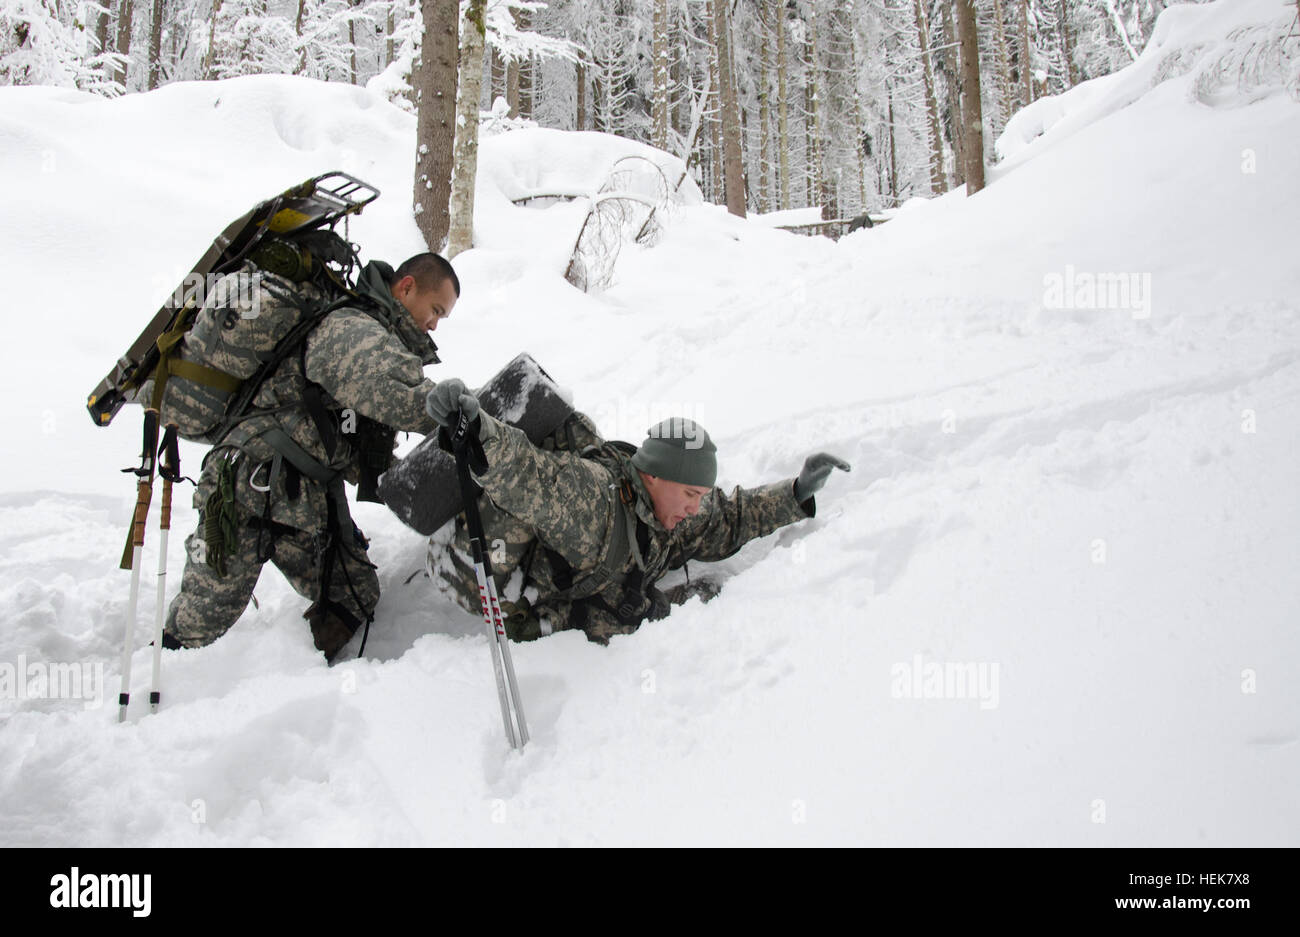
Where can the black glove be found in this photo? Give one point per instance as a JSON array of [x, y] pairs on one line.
[[447, 399], [816, 469]]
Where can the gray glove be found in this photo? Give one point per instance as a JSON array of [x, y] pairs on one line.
[[816, 469], [447, 398]]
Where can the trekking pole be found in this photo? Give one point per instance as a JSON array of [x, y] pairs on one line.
[[498, 643], [131, 558], [169, 469]]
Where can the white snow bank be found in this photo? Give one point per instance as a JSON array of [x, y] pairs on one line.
[[1228, 54], [788, 217], [539, 161]]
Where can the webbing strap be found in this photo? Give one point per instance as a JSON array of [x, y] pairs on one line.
[[298, 457], [202, 374]]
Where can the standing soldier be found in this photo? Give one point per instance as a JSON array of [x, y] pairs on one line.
[[610, 523], [272, 488]]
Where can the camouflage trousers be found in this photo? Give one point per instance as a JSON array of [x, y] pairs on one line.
[[526, 619], [209, 604]]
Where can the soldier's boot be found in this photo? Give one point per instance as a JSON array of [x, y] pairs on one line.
[[332, 627]]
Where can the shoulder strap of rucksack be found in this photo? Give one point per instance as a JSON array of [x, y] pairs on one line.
[[630, 536], [242, 401]]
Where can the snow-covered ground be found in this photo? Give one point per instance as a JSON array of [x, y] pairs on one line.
[[1088, 506]]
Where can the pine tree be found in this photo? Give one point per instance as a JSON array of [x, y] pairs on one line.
[[125, 12], [660, 100], [155, 44], [733, 158], [435, 87], [971, 105], [473, 38], [783, 109], [931, 99]]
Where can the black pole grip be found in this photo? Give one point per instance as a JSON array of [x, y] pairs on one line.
[[460, 446], [169, 454], [150, 446]]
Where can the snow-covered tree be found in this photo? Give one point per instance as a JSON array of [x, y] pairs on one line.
[[39, 45]]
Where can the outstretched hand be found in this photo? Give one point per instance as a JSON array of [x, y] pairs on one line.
[[816, 469], [448, 398]]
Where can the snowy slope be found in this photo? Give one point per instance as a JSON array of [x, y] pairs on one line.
[[1092, 509]]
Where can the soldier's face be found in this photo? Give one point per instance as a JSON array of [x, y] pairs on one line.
[[673, 501], [427, 307]]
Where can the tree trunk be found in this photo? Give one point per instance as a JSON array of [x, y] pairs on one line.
[[301, 67], [101, 30], [816, 184], [659, 103], [209, 60], [461, 234], [352, 47], [679, 116], [860, 126], [512, 76], [1026, 63], [582, 95], [971, 108], [527, 71], [599, 100], [952, 76], [1005, 91], [809, 134], [435, 88], [783, 116], [1067, 43], [715, 119], [764, 113], [155, 45], [125, 12], [931, 100], [497, 80], [390, 51], [733, 169], [893, 146]]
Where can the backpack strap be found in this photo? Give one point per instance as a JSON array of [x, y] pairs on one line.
[[170, 363], [630, 537]]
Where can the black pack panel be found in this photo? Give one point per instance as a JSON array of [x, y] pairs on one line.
[[422, 490]]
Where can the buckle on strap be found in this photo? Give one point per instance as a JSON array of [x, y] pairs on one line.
[[272, 466]]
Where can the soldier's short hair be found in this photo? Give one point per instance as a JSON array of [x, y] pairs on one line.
[[429, 270]]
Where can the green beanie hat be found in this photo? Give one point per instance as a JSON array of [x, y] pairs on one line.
[[679, 450]]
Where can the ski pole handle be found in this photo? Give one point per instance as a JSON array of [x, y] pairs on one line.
[[150, 443], [145, 473]]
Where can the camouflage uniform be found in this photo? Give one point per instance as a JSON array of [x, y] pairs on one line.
[[553, 514], [367, 363]]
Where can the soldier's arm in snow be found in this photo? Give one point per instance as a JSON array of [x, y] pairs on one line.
[[727, 522], [566, 498], [362, 366]]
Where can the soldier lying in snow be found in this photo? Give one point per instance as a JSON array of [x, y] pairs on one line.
[[592, 533]]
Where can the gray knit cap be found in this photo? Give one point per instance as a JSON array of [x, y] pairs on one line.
[[679, 450]]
